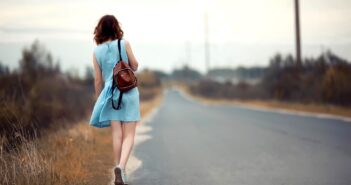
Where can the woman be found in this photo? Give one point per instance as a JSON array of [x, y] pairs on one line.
[[122, 121]]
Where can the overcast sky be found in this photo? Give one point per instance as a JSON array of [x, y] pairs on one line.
[[239, 29]]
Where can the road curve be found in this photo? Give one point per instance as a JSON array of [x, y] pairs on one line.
[[196, 144]]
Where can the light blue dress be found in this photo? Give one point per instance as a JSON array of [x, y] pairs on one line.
[[107, 56]]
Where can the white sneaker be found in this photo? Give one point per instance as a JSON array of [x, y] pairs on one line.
[[124, 176]]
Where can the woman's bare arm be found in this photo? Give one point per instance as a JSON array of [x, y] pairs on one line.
[[98, 77], [132, 60]]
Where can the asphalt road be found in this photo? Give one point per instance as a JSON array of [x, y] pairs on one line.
[[200, 144]]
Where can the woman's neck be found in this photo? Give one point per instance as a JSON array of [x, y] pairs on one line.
[[109, 40]]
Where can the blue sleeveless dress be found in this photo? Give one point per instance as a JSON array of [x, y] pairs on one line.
[[107, 56]]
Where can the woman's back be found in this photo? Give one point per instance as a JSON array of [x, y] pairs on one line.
[[107, 56]]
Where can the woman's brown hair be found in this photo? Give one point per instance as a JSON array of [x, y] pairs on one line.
[[107, 28]]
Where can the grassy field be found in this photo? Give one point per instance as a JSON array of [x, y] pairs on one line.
[[77, 154], [310, 108]]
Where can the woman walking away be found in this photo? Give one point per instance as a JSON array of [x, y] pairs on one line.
[[108, 36]]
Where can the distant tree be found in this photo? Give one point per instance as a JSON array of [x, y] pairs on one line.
[[37, 61], [57, 67], [89, 75], [281, 77], [72, 73], [160, 74], [336, 84], [324, 78], [4, 70], [226, 73], [186, 73], [148, 79]]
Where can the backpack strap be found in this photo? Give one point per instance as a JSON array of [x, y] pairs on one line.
[[114, 85], [119, 100], [119, 50]]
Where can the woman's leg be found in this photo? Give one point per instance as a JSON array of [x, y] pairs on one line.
[[128, 130], [117, 140]]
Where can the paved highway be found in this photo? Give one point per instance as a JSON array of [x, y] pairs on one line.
[[196, 144]]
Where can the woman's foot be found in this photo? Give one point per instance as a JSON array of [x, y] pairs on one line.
[[120, 176]]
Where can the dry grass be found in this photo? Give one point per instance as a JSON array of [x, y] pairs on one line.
[[25, 165], [311, 107], [56, 158], [73, 155], [147, 106]]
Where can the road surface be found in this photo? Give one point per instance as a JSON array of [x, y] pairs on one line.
[[196, 144]]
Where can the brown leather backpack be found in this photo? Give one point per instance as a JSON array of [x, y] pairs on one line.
[[123, 78]]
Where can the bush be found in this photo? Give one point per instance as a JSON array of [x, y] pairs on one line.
[[336, 85], [38, 95], [149, 84], [322, 79], [212, 89]]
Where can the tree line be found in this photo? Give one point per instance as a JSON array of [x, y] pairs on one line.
[[322, 79]]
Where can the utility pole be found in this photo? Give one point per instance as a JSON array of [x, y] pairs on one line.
[[297, 32], [207, 44]]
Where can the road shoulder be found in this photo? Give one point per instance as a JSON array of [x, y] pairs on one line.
[[314, 110]]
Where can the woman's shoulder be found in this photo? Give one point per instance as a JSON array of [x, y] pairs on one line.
[[126, 43]]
